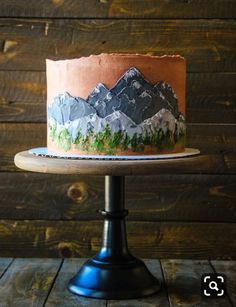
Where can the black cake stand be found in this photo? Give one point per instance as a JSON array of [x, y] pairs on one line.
[[113, 273]]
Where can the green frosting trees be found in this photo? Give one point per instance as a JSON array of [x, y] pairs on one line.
[[107, 142]]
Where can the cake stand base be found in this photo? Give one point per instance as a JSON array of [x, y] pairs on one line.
[[114, 281], [114, 273]]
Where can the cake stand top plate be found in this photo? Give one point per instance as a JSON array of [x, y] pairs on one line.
[[184, 162]]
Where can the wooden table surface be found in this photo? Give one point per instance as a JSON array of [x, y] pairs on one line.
[[42, 282]]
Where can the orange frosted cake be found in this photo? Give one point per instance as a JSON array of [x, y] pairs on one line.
[[116, 104]]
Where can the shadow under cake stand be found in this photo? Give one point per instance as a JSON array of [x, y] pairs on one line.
[[113, 273]]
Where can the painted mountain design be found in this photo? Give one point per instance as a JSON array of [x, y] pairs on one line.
[[134, 96], [132, 114], [68, 108]]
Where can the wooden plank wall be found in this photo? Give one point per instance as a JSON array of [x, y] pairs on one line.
[[171, 216]]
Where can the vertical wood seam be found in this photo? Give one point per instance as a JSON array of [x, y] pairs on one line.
[[8, 266], [53, 282], [164, 285]]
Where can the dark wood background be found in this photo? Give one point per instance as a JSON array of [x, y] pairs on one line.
[[174, 215]]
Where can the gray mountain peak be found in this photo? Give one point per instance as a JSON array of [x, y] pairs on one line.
[[134, 96], [130, 74], [98, 93], [68, 108]]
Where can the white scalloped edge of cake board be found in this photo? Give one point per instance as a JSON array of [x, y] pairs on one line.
[[44, 152]]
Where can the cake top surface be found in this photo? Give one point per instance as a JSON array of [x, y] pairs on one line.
[[125, 55]]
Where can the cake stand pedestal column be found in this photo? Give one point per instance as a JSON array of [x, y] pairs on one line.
[[114, 273]]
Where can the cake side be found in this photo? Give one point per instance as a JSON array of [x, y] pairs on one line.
[[132, 117]]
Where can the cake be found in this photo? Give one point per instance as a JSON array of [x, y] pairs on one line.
[[116, 104]]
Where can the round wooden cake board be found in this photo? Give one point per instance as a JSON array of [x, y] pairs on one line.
[[40, 160]]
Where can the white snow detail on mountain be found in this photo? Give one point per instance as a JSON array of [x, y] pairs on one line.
[[163, 120], [136, 84], [162, 96], [109, 96], [132, 72], [98, 88], [119, 121], [145, 94], [181, 126], [166, 85]]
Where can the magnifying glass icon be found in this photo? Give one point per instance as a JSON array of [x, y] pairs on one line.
[[213, 286]]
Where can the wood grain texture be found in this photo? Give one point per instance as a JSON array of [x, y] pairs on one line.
[[199, 198], [207, 46], [27, 161], [195, 164], [210, 97], [61, 297], [120, 8], [146, 239], [22, 96], [4, 264], [182, 279], [183, 283], [13, 137], [27, 282], [157, 300], [230, 160], [229, 269]]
